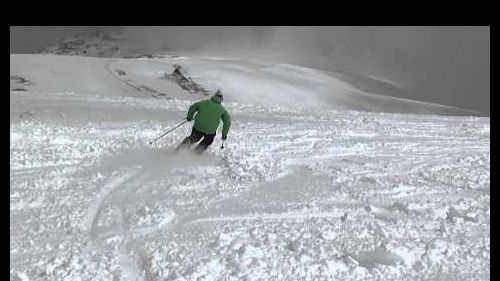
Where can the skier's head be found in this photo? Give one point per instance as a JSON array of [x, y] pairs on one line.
[[217, 97]]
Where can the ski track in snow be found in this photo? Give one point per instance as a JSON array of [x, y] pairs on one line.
[[295, 195]]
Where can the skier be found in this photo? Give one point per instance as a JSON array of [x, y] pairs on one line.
[[208, 115]]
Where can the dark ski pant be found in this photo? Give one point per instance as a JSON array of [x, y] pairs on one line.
[[195, 137]]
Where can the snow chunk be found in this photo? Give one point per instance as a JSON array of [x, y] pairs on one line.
[[335, 266]]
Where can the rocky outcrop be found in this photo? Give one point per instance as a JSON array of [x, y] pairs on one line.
[[186, 83]]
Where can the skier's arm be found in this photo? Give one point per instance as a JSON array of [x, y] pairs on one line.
[[226, 119], [192, 110]]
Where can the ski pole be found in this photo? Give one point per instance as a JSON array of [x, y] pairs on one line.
[[184, 122]]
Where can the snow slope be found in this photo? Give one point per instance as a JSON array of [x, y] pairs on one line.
[[302, 191], [247, 82]]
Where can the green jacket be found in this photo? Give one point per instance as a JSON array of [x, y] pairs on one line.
[[208, 115]]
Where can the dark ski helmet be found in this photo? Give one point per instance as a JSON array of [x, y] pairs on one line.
[[218, 96]]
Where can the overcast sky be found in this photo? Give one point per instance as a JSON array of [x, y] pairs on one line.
[[447, 65]]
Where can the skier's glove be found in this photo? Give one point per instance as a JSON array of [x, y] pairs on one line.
[[224, 137]]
